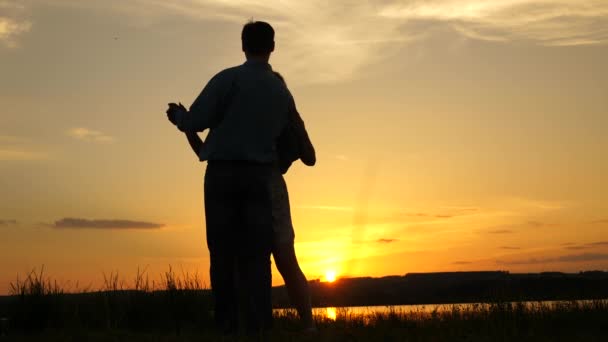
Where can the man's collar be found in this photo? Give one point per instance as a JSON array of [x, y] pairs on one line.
[[257, 64]]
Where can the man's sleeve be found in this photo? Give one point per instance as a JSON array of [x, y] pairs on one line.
[[203, 110]]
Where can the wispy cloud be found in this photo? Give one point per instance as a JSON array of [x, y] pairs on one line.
[[575, 247], [326, 207], [500, 231], [8, 222], [386, 240], [418, 216], [11, 139], [548, 22], [81, 223], [16, 148], [586, 245], [599, 243], [12, 22], [560, 259], [461, 263], [20, 154], [340, 38], [341, 157], [85, 134], [512, 228], [510, 247]]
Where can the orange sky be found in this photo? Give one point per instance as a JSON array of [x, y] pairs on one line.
[[451, 135]]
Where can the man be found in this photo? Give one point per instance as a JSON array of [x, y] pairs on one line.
[[245, 109]]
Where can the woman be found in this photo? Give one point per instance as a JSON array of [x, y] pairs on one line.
[[293, 144]]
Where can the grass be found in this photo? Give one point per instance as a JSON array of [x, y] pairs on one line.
[[178, 308]]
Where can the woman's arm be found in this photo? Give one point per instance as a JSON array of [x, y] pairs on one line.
[[195, 141], [307, 151]]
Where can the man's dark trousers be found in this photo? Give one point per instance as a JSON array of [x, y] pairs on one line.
[[239, 236]]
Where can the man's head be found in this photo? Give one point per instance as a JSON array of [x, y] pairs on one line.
[[257, 39]]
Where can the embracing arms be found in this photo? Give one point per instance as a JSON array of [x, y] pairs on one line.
[[196, 143], [204, 111], [307, 150]]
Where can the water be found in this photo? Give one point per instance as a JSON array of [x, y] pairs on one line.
[[334, 313]]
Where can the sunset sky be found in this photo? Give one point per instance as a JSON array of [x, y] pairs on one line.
[[451, 135]]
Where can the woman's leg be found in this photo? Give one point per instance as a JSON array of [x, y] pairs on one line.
[[285, 255], [295, 281]]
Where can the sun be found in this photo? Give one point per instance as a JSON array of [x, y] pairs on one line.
[[330, 276]]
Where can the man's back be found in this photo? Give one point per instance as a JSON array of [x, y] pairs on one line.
[[246, 107]]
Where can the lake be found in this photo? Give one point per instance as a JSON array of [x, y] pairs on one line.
[[334, 313]]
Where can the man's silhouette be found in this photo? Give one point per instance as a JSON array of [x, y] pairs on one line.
[[245, 109]]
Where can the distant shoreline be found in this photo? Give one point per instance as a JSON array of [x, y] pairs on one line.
[[425, 289]]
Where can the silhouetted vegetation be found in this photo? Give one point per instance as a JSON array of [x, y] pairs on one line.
[[179, 301], [178, 308]]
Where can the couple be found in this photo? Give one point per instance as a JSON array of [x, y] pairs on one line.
[[255, 133]]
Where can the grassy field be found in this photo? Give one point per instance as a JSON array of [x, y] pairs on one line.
[[178, 309]]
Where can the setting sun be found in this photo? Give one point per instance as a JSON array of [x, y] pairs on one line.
[[330, 276]]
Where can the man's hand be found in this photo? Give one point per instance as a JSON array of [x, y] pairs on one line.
[[173, 109]]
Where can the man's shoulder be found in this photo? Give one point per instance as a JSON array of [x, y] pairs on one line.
[[226, 73]]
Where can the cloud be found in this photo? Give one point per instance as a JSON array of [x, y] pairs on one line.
[[11, 139], [80, 223], [326, 207], [509, 247], [575, 247], [417, 217], [8, 222], [586, 246], [341, 157], [461, 263], [599, 243], [14, 148], [600, 221], [461, 208], [512, 228], [582, 257], [86, 134], [12, 23], [338, 39], [548, 22], [417, 214], [560, 259], [500, 231], [20, 154], [386, 240]]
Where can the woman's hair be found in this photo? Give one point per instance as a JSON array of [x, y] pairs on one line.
[[258, 38]]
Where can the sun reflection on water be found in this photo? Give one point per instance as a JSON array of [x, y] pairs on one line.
[[330, 313]]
